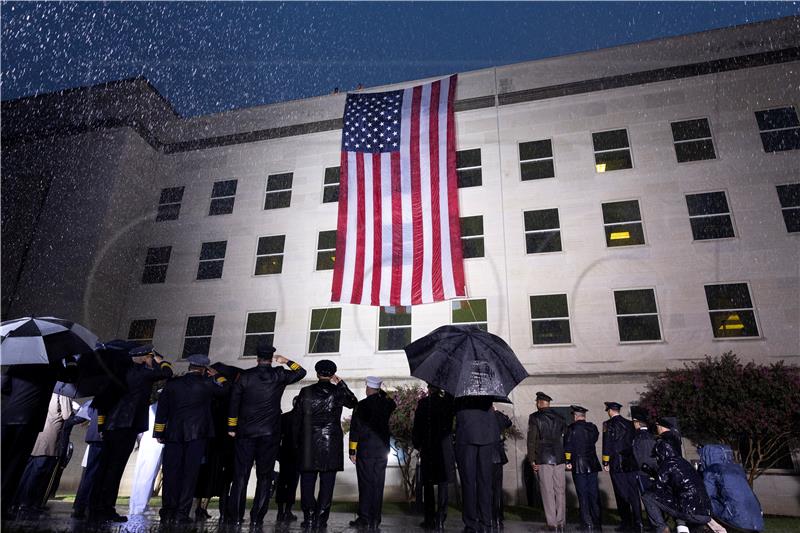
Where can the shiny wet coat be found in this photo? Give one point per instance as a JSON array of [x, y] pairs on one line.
[[321, 435], [678, 485]]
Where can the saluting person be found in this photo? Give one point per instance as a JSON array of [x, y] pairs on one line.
[[580, 441], [618, 459]]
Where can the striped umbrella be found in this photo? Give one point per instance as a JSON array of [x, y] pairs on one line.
[[41, 340]]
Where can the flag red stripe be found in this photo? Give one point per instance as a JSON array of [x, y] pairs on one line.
[[452, 196], [377, 224], [436, 274], [416, 199], [341, 232], [358, 274], [397, 231]]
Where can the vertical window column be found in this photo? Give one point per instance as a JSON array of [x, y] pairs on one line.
[[260, 327], [468, 168], [198, 335], [637, 315], [169, 204], [155, 264]]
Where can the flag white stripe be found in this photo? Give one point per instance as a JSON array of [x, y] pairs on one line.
[[386, 224], [448, 283], [352, 211], [405, 188], [425, 184], [369, 231]]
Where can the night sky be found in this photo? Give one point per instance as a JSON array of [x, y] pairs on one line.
[[210, 57]]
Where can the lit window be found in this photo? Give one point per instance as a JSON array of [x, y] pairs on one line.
[[611, 151], [330, 186], [142, 331], [542, 231], [623, 223], [269, 255], [550, 319], [325, 331], [693, 140], [326, 250], [198, 335], [710, 216], [779, 128], [472, 236], [260, 326], [212, 259], [637, 315], [466, 312], [279, 191], [155, 264], [731, 310], [468, 168], [169, 204], [223, 195], [536, 160], [789, 196], [394, 328]]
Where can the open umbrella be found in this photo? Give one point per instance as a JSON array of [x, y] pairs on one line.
[[97, 370], [466, 361], [42, 340]]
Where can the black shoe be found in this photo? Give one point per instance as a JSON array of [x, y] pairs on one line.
[[359, 522], [309, 520]]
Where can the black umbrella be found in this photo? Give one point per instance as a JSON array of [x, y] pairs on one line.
[[466, 361], [99, 369], [229, 372]]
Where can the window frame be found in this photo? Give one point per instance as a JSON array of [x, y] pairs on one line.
[[469, 323], [640, 221], [142, 340], [316, 255], [326, 186], [482, 236], [790, 208], [713, 144], [657, 315], [308, 351], [729, 213], [255, 261], [179, 204], [551, 158], [480, 151], [211, 201], [525, 233], [245, 334], [379, 328], [268, 192], [760, 335], [201, 261], [629, 148], [760, 131], [531, 320], [186, 328]]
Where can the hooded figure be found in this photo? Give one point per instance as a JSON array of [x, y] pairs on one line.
[[732, 499]]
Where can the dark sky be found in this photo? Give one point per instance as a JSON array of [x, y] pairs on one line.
[[209, 57]]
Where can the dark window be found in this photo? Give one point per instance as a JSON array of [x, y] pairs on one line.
[[542, 231], [536, 160], [330, 187], [326, 250], [212, 259], [155, 264], [169, 204], [710, 216], [779, 128], [260, 326], [223, 196], [693, 140], [731, 310], [269, 255], [637, 315], [198, 335], [326, 326], [550, 319], [472, 236], [470, 312], [623, 223], [142, 331], [279, 191], [611, 150], [468, 168], [394, 328], [789, 197]]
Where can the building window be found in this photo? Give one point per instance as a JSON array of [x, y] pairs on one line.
[[731, 310], [155, 264], [611, 150], [542, 231], [637, 315], [326, 250], [260, 326], [142, 331], [394, 328], [212, 259], [623, 223], [550, 319], [710, 216], [536, 160], [330, 186], [779, 128], [269, 255], [472, 236], [468, 168], [279, 191], [789, 196], [693, 140], [169, 205], [223, 195], [326, 329], [466, 312], [198, 335]]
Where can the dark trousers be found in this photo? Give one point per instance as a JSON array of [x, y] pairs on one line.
[[588, 499], [321, 505], [497, 493], [87, 478], [117, 447], [36, 480], [16, 444], [263, 451], [435, 506], [371, 473], [286, 487], [475, 469], [654, 513], [689, 519], [626, 492], [180, 467]]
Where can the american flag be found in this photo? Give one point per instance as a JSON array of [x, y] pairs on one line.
[[398, 238]]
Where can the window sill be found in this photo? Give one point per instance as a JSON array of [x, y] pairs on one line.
[[265, 275], [734, 238], [564, 345], [534, 180], [751, 338], [534, 254], [645, 245], [320, 354], [626, 343]]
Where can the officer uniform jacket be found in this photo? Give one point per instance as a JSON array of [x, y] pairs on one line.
[[618, 445], [321, 426], [27, 390], [499, 456], [184, 407], [255, 408], [580, 442], [643, 443], [369, 426], [475, 421], [132, 408], [546, 438], [432, 435], [47, 442]]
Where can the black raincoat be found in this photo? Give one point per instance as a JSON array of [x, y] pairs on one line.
[[679, 488], [322, 446]]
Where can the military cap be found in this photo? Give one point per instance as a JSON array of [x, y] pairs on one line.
[[639, 413], [613, 405], [542, 396], [325, 368], [141, 350], [265, 349], [578, 409], [198, 359], [669, 422], [374, 382]]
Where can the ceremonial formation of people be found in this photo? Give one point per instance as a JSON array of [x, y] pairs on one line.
[[207, 428]]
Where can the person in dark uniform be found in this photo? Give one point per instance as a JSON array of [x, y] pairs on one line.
[[546, 455], [432, 435], [94, 440], [476, 437], [122, 415], [183, 424], [643, 443], [618, 459], [499, 458], [289, 475], [667, 429], [369, 451], [580, 441], [254, 419], [321, 447], [26, 390]]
